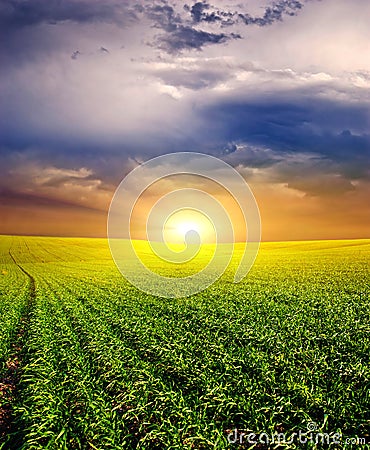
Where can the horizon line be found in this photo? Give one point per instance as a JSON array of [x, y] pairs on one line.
[[208, 243]]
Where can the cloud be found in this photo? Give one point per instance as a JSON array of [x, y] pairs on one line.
[[26, 177], [53, 176], [75, 54], [163, 16], [204, 12], [306, 173], [200, 13], [188, 38], [296, 124], [194, 73], [183, 27], [180, 35], [237, 75], [213, 105], [273, 13], [250, 156], [18, 13]]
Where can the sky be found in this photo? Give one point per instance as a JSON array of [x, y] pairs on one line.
[[90, 89]]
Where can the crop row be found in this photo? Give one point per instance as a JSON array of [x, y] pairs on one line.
[[14, 295]]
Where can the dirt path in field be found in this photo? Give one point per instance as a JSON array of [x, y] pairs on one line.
[[10, 381]]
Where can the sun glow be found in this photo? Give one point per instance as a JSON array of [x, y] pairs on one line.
[[183, 222], [185, 227]]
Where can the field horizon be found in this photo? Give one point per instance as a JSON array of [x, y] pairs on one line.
[[140, 240]]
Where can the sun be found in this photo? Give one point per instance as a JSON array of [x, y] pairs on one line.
[[180, 223], [186, 226]]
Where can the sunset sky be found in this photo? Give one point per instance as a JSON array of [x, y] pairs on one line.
[[89, 89]]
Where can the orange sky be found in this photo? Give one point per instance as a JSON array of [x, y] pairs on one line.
[[286, 214]]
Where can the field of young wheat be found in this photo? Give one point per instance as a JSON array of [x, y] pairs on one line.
[[87, 361]]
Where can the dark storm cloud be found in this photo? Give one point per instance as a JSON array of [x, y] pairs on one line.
[[250, 156], [197, 11], [179, 24], [163, 16], [188, 38], [256, 131], [19, 13], [200, 13], [273, 13], [297, 125], [205, 12], [299, 122], [182, 35], [75, 54], [178, 34]]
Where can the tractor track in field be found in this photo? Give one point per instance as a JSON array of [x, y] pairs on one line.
[[9, 383]]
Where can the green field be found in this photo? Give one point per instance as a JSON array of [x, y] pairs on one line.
[[89, 362]]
